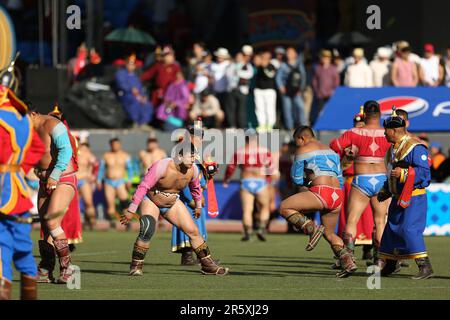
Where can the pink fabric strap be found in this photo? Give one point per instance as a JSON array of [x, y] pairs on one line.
[[195, 188]]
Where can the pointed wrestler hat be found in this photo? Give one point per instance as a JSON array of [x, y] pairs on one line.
[[394, 121]]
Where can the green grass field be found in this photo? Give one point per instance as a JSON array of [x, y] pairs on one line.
[[277, 269]]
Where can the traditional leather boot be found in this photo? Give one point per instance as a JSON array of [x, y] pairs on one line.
[[28, 288], [347, 257], [47, 264], [187, 257], [5, 289], [248, 230], [309, 227], [425, 269], [63, 253], [209, 266], [137, 259], [390, 266], [377, 261], [337, 249], [367, 252], [262, 230]]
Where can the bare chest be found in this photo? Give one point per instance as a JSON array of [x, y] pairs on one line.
[[175, 180], [113, 160]]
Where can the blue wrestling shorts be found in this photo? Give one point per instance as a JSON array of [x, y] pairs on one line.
[[253, 185], [162, 211], [369, 184], [115, 183], [81, 183]]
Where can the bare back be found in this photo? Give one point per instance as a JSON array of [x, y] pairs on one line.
[[321, 180]]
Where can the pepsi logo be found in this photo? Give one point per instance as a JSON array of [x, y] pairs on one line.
[[413, 105]]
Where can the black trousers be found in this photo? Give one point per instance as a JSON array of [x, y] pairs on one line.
[[224, 100], [236, 114]]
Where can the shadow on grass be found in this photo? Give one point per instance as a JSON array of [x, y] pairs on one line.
[[249, 273], [298, 257], [408, 277]]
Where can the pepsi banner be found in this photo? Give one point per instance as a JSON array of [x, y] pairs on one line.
[[428, 108]]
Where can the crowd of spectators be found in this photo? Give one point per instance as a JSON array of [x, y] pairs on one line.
[[284, 87]]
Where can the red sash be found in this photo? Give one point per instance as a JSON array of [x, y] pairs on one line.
[[405, 197], [213, 207]]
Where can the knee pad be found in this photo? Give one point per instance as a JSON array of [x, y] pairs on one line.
[[123, 204], [147, 229]]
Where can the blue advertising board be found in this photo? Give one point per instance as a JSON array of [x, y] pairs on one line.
[[428, 108]]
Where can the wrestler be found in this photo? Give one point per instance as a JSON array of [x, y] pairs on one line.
[[86, 178], [409, 174], [58, 186], [317, 170], [254, 161], [71, 223], [370, 146], [365, 224], [180, 241], [151, 155], [113, 167], [158, 194]]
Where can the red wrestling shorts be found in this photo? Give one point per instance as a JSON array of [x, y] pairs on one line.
[[68, 178], [330, 197]]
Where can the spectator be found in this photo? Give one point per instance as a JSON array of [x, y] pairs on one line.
[[163, 73], [220, 72], [340, 64], [359, 74], [153, 57], [431, 71], [196, 58], [265, 92], [280, 54], [207, 107], [437, 158], [404, 71], [308, 94], [325, 80], [381, 67], [447, 67], [208, 62], [136, 105], [242, 73], [201, 80], [173, 111], [93, 68], [400, 45], [78, 63], [291, 82]]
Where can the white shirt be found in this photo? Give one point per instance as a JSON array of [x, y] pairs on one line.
[[220, 75], [276, 63], [359, 76], [430, 69], [240, 77], [201, 83], [380, 72]]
